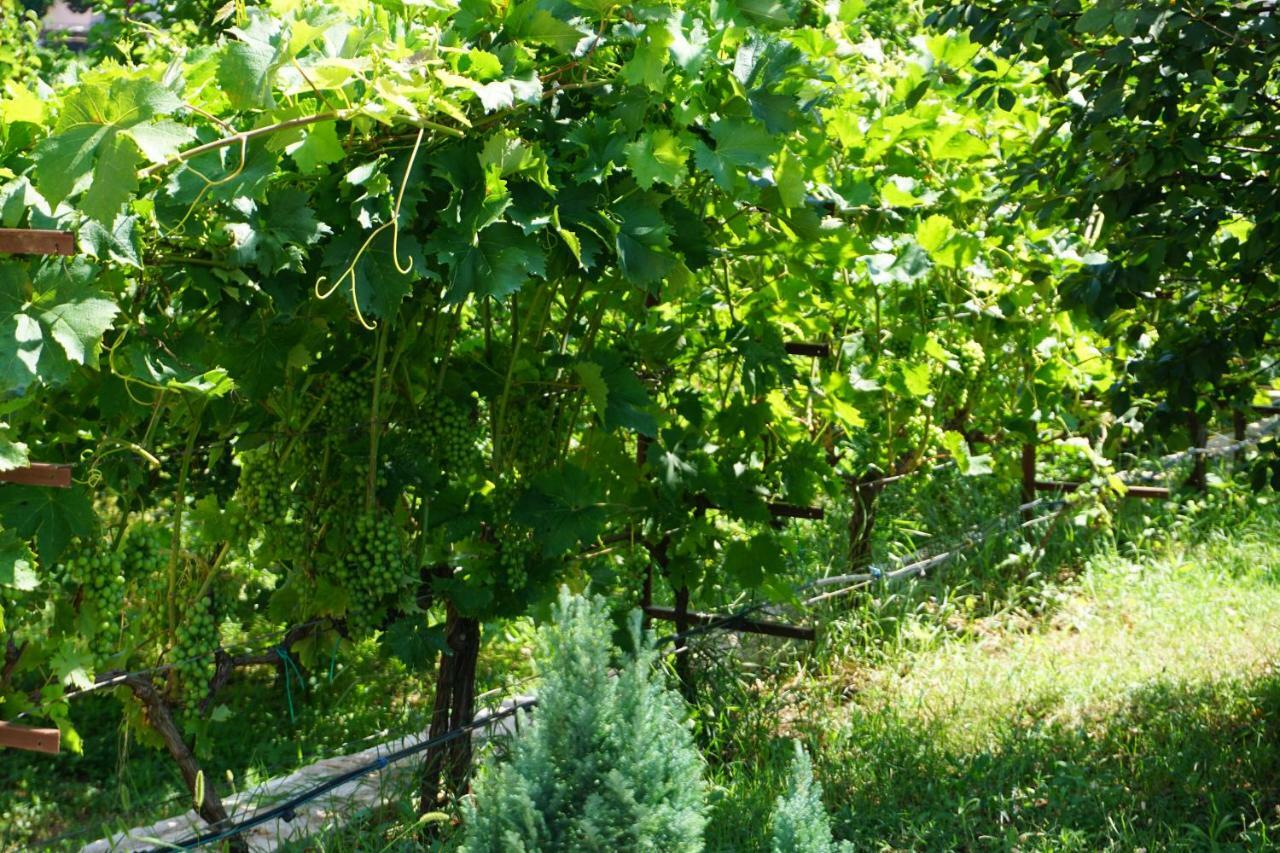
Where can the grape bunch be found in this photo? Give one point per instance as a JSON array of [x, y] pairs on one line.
[[347, 405], [267, 497], [530, 433], [914, 433], [375, 566], [193, 656], [100, 575], [515, 545], [451, 434]]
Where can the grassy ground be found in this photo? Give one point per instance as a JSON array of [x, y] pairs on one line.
[[1129, 702]]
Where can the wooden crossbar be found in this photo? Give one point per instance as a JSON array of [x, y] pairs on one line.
[[39, 474], [748, 626], [36, 241], [30, 739]]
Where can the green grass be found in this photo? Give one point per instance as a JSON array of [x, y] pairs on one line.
[[1130, 702]]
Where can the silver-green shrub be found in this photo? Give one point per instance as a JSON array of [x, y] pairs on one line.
[[606, 761], [800, 823]]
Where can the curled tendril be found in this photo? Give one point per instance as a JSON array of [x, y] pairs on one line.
[[210, 184], [322, 292], [128, 380]]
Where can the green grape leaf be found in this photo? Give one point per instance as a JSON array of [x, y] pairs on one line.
[[78, 320], [643, 241], [64, 163], [17, 563], [118, 243], [564, 508], [658, 156], [526, 22], [89, 148], [50, 516], [414, 642], [246, 66], [628, 404], [497, 264], [320, 146], [158, 141], [747, 562], [73, 667], [13, 454], [591, 376], [647, 66], [789, 177]]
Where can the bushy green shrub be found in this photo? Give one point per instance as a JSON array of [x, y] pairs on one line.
[[800, 823], [606, 763]]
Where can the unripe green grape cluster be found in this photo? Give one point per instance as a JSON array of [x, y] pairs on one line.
[[193, 655], [530, 432], [451, 433], [515, 550], [914, 435], [515, 545], [347, 403], [374, 566], [100, 575], [147, 547], [972, 358], [266, 494]]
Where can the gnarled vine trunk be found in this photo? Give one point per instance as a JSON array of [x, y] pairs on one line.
[[161, 719], [862, 520], [446, 768]]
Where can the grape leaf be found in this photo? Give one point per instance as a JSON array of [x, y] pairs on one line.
[[564, 508], [50, 516], [747, 562], [319, 147], [415, 642], [658, 156], [72, 667], [642, 241], [13, 454], [90, 152], [628, 402], [17, 563], [118, 243], [78, 320], [246, 66], [497, 264]]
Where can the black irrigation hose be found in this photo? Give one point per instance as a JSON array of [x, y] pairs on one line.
[[288, 809]]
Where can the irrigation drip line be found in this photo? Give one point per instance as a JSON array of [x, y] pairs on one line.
[[287, 810]]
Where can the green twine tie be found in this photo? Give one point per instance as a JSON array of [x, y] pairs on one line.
[[288, 692]]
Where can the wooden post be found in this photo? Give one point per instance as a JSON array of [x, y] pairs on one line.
[[1238, 427], [446, 768], [1028, 478], [862, 520], [39, 474], [684, 664], [1199, 438]]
